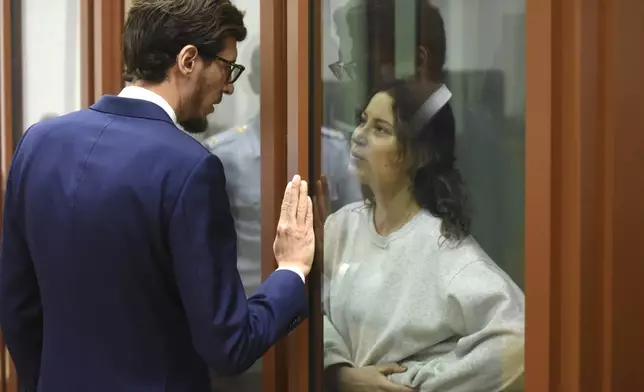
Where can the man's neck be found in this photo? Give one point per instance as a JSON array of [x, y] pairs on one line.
[[164, 90], [421, 89]]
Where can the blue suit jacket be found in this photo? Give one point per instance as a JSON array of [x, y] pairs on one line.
[[118, 262]]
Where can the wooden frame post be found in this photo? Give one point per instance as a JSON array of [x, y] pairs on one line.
[[11, 127], [273, 123], [101, 57], [584, 143], [299, 69], [87, 52], [304, 41]]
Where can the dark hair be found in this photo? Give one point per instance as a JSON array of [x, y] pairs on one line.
[[437, 184], [156, 31], [430, 30], [374, 22]]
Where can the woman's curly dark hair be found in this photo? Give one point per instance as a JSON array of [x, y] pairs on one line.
[[437, 184]]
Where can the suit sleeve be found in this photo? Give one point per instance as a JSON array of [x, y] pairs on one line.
[[228, 330], [21, 317]]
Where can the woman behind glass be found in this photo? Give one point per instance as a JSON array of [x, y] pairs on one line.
[[412, 301]]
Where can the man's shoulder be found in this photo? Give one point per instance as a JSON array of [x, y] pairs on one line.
[[147, 139], [77, 117], [64, 126], [334, 141]]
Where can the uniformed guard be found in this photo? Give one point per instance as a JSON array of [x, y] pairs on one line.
[[239, 150]]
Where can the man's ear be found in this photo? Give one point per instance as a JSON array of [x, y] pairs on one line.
[[187, 59], [423, 58], [424, 157]]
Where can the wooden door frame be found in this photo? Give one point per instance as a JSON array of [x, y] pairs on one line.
[[10, 81], [101, 57], [583, 194], [87, 52], [304, 86], [622, 193], [273, 123], [11, 126]]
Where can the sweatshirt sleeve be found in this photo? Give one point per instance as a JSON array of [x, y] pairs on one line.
[[486, 309]]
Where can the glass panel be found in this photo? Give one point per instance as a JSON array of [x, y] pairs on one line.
[[234, 136], [425, 269]]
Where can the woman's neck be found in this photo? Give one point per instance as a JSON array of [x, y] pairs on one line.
[[394, 209]]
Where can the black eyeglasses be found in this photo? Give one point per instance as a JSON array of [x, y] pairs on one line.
[[340, 69], [234, 70]]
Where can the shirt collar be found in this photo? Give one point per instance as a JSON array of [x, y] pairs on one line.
[[431, 106], [136, 92]]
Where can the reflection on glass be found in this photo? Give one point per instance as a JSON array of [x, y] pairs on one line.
[[420, 274], [238, 148], [239, 151]]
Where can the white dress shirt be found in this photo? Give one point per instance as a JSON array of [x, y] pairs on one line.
[[136, 92]]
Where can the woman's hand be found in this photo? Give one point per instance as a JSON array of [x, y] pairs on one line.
[[370, 379]]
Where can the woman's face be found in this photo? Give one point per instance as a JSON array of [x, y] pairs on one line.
[[375, 152]]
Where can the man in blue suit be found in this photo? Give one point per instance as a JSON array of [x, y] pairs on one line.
[[118, 261]]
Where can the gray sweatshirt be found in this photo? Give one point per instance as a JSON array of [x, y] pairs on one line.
[[446, 312]]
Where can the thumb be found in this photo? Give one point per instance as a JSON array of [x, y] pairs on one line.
[[390, 368]]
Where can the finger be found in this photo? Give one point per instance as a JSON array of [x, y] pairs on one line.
[[390, 368], [309, 214], [302, 204], [319, 194], [320, 204], [289, 203], [322, 200], [316, 212], [324, 185], [327, 199], [318, 228]]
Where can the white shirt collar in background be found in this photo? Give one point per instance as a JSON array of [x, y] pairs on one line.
[[431, 106]]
